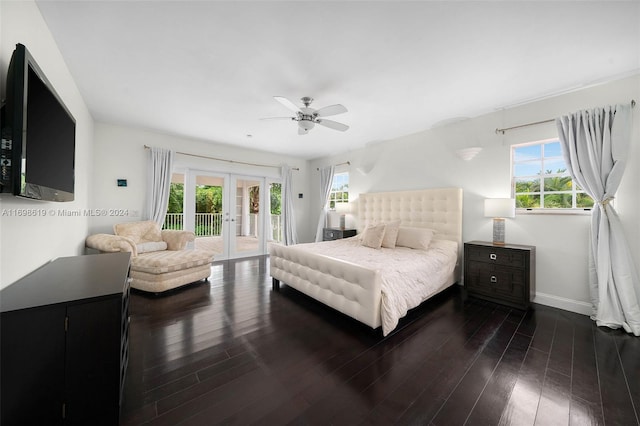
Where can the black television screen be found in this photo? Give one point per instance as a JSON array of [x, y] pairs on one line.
[[38, 134]]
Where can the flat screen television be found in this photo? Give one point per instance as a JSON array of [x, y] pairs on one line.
[[37, 159]]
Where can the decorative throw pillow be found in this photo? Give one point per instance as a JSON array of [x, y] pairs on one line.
[[415, 238], [373, 235], [151, 246], [391, 234]]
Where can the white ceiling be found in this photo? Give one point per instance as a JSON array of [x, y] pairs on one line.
[[209, 69]]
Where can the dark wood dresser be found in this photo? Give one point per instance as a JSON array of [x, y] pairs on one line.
[[64, 345], [330, 234], [500, 273]]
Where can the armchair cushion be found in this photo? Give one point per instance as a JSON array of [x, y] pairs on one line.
[[148, 237], [177, 240], [161, 262], [140, 232], [111, 243]]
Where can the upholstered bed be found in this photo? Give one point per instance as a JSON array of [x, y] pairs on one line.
[[378, 286]]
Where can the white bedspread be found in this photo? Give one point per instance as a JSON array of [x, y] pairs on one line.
[[408, 276]]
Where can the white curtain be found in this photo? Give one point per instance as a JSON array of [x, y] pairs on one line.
[[159, 169], [595, 145], [326, 179], [289, 234]]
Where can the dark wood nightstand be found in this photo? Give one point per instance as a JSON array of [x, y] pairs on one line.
[[500, 273], [329, 234]]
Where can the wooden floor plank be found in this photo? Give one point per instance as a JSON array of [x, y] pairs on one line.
[[462, 400], [617, 402], [491, 404], [522, 406], [555, 399]]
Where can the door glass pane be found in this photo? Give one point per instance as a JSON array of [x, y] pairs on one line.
[[209, 208], [275, 217], [247, 215], [175, 213]]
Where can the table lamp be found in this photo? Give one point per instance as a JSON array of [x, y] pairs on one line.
[[343, 209], [498, 209]]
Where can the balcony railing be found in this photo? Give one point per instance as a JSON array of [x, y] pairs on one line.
[[210, 224]]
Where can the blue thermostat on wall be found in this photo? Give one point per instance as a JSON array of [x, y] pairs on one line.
[[122, 182]]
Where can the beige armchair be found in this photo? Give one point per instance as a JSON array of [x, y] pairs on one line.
[[159, 259]]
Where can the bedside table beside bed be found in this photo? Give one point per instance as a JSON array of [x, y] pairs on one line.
[[500, 273], [330, 234]]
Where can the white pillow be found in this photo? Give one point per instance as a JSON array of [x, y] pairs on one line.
[[415, 238], [373, 235], [151, 246], [391, 234]]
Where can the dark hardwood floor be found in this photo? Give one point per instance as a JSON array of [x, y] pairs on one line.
[[232, 351]]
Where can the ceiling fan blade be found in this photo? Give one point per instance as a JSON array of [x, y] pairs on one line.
[[277, 118], [333, 125], [302, 131], [331, 110], [287, 103]]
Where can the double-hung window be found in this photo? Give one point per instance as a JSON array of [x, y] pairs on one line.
[[541, 179], [339, 189]]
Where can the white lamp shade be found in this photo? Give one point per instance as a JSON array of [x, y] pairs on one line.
[[499, 207], [343, 208]]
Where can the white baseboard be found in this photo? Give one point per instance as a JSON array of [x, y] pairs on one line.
[[570, 305]]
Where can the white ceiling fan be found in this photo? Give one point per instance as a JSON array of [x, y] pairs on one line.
[[308, 117]]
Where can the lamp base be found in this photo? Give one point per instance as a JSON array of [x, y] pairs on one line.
[[343, 220], [498, 231]]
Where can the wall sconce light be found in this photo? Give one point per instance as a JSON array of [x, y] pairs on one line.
[[498, 209], [467, 154]]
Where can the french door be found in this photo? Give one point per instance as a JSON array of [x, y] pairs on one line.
[[224, 211], [232, 215]]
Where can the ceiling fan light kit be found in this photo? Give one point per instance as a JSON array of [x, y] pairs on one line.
[[305, 126], [308, 117]]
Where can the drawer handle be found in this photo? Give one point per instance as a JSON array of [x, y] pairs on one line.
[[494, 279], [493, 256]]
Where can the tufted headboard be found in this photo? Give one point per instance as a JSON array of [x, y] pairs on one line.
[[439, 209]]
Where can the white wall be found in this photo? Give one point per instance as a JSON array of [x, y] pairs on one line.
[[120, 154], [26, 243], [428, 160]]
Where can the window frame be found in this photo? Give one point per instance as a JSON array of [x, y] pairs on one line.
[[545, 210], [333, 193]]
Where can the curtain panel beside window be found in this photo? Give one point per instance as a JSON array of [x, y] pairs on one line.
[[289, 234], [595, 145], [326, 179], [159, 169]]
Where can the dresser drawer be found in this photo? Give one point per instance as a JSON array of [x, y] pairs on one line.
[[496, 281], [497, 255]]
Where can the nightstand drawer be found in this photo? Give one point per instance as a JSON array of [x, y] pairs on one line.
[[497, 255], [330, 234], [496, 281]]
